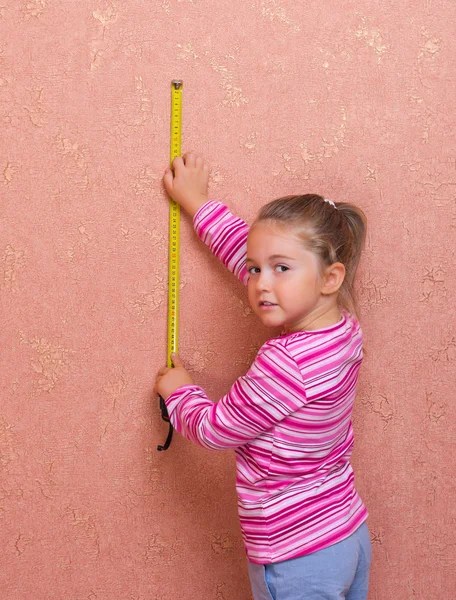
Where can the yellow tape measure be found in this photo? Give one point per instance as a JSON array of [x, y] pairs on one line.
[[174, 247], [174, 225]]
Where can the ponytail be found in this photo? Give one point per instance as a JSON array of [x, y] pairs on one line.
[[357, 226]]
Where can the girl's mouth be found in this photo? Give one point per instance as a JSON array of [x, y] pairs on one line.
[[267, 305]]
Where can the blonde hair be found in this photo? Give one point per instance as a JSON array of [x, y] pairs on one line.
[[335, 232]]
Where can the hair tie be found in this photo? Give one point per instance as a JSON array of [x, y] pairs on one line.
[[330, 202]]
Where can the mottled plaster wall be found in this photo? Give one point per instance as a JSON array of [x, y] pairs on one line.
[[352, 99]]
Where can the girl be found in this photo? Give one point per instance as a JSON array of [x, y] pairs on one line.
[[289, 418]]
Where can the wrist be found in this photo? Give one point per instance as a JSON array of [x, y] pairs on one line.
[[194, 203]]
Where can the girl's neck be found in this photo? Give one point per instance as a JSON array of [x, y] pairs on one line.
[[320, 318]]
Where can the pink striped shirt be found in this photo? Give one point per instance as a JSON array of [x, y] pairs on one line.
[[288, 420]]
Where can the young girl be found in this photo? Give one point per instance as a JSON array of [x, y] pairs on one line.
[[289, 418]]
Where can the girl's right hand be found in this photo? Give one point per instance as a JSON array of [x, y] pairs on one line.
[[188, 185]]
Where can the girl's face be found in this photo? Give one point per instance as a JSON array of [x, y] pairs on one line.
[[285, 280]]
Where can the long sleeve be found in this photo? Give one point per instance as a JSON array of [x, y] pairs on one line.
[[271, 390], [225, 235]]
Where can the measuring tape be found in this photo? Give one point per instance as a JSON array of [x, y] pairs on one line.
[[174, 246], [174, 224]]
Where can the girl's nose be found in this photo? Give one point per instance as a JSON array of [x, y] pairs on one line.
[[263, 283]]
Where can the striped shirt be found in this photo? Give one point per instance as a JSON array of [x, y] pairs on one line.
[[288, 420]]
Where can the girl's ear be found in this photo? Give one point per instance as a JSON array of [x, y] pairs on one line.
[[333, 278]]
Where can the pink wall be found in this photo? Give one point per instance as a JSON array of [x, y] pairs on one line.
[[352, 99]]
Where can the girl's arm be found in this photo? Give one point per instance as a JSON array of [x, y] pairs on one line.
[[225, 234], [271, 390]]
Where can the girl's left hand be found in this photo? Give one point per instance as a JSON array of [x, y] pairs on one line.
[[169, 380]]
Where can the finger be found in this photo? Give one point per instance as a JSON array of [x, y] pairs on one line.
[[162, 371], [157, 385], [176, 360], [178, 163], [199, 162], [168, 181], [189, 159]]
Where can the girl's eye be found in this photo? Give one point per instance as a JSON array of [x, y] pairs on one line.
[[253, 270], [282, 268]]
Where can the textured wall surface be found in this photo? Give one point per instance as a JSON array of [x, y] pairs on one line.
[[353, 99]]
